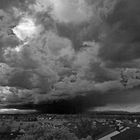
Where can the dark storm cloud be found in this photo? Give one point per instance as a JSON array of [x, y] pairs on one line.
[[122, 37], [90, 29], [129, 96], [75, 61], [78, 104], [115, 24]]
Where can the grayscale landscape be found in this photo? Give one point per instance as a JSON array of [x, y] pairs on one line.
[[69, 70]]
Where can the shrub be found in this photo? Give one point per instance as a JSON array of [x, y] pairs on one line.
[[48, 133], [84, 128]]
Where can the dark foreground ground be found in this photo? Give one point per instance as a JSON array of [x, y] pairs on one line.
[[63, 127]]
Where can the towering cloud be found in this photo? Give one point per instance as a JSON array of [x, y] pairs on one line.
[[54, 50]]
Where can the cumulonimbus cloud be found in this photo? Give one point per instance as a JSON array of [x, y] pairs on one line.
[[71, 54]]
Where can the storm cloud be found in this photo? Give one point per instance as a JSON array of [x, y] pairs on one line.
[[60, 52], [121, 40]]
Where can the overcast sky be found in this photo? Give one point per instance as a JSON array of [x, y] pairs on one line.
[[69, 52]]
